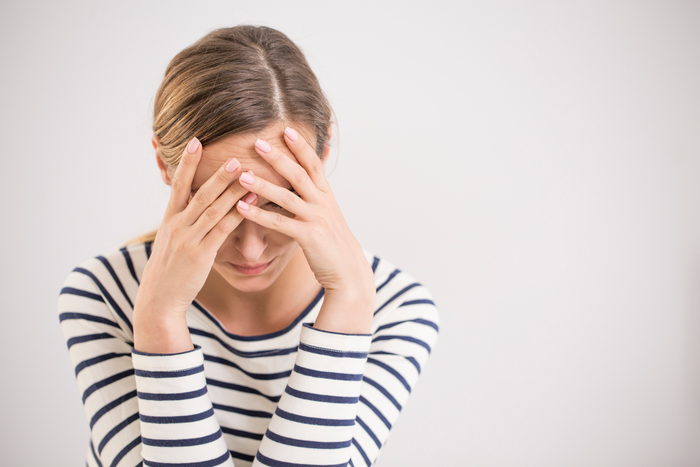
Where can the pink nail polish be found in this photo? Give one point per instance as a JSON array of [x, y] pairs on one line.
[[243, 205], [291, 134], [250, 198], [193, 146], [263, 146], [247, 178], [232, 165]]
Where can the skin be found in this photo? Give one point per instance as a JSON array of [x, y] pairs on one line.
[[207, 227]]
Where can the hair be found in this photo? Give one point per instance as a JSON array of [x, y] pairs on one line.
[[236, 80]]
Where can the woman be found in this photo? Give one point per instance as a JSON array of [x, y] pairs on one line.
[[252, 327]]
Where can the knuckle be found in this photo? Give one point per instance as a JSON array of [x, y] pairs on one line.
[[224, 226], [299, 174], [176, 183], [211, 213], [288, 198], [317, 166], [201, 198], [278, 220], [222, 175]]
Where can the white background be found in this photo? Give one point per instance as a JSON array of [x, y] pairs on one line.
[[535, 164]]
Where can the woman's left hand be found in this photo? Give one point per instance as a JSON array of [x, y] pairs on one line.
[[332, 251]]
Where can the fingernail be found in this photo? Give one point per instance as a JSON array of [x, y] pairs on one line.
[[193, 146], [263, 146], [291, 134], [247, 177], [250, 198], [232, 165], [243, 205]]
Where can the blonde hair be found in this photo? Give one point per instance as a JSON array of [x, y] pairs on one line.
[[236, 80]]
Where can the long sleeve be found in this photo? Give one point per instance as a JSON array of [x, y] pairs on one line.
[[319, 398], [346, 391], [139, 406]]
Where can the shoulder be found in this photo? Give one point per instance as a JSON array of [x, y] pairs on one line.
[[109, 281], [400, 295]]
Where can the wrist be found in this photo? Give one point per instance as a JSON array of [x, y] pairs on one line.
[[160, 333]]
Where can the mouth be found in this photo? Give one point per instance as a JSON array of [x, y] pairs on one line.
[[251, 270]]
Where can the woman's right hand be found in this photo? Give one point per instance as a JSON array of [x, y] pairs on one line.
[[193, 229]]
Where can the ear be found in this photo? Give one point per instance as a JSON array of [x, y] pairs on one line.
[[161, 166], [327, 147]]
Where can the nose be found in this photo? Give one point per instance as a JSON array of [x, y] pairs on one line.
[[249, 238]]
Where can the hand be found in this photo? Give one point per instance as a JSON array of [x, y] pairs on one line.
[[193, 229], [333, 253]]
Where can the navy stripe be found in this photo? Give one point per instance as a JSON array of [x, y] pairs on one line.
[[259, 376], [116, 430], [110, 406], [249, 413], [177, 396], [391, 276], [376, 412], [129, 263], [147, 245], [375, 262], [397, 294], [97, 319], [242, 434], [105, 382], [417, 320], [240, 455], [320, 397], [107, 265], [327, 374], [331, 353], [313, 420], [419, 301], [170, 374], [271, 335], [362, 452], [403, 338], [125, 451], [140, 464], [369, 432], [351, 464], [211, 463], [255, 354], [413, 361], [391, 370], [106, 295], [94, 454], [303, 443], [177, 419], [239, 388], [87, 338], [275, 463], [173, 443], [381, 389], [81, 293], [95, 360]]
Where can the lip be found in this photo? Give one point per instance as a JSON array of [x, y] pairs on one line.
[[250, 271]]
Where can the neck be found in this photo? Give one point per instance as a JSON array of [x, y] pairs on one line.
[[262, 311]]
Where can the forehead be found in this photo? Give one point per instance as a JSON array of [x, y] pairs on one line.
[[242, 147]]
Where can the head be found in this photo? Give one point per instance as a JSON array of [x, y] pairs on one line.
[[228, 89]]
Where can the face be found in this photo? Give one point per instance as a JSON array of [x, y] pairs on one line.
[[250, 243]]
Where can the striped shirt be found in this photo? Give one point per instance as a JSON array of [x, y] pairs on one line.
[[299, 396]]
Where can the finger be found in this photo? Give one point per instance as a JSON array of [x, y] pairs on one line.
[[218, 209], [216, 237], [276, 194], [308, 158], [211, 190], [271, 220], [294, 173], [181, 182]]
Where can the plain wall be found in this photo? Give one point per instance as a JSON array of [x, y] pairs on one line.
[[534, 164]]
